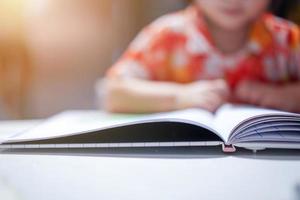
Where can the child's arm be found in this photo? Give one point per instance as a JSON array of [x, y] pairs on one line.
[[140, 96], [285, 97]]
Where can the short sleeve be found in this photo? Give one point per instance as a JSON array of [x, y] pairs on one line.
[[149, 54], [294, 60], [281, 59]]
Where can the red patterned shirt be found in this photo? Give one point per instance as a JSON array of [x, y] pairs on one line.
[[178, 47]]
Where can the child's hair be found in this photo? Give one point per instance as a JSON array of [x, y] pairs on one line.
[[286, 9], [280, 7]]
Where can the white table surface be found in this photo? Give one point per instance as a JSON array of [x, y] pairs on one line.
[[157, 173]]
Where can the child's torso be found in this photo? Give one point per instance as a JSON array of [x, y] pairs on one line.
[[178, 47]]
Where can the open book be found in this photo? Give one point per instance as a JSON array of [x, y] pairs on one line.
[[230, 127]]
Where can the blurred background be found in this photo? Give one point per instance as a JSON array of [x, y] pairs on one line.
[[52, 52]]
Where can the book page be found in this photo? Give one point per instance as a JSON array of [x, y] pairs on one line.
[[74, 122], [270, 128], [229, 116]]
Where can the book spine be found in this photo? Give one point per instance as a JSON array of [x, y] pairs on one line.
[[228, 148]]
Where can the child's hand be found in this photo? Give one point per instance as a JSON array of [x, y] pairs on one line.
[[269, 96], [209, 95]]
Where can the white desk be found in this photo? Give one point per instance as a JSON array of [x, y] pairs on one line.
[[184, 173]]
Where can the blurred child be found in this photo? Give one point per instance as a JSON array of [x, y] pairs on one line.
[[211, 52]]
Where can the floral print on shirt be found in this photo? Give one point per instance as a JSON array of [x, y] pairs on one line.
[[178, 47]]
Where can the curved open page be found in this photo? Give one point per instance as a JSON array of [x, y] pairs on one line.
[[257, 128], [90, 127], [268, 128]]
